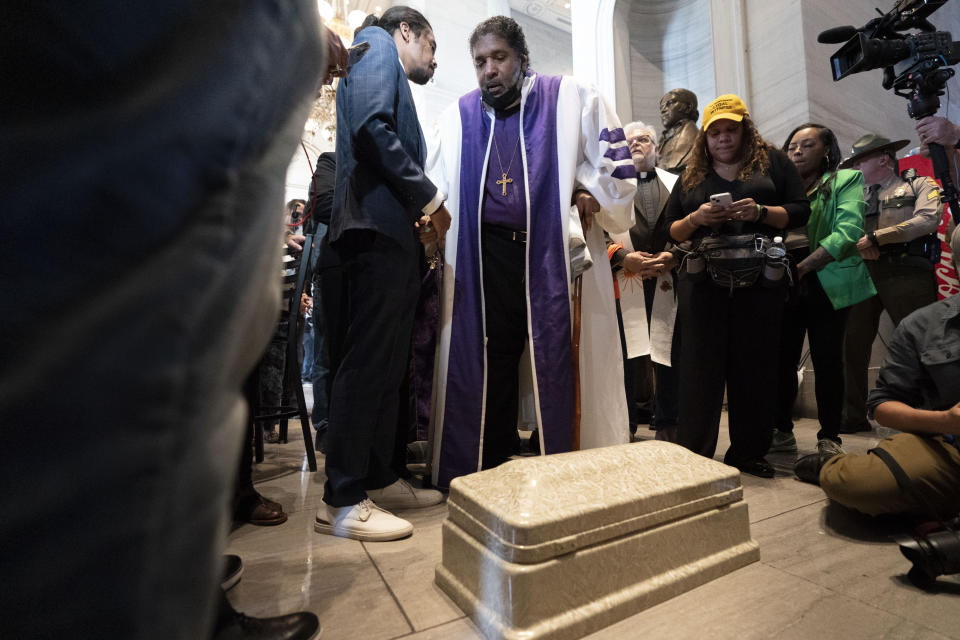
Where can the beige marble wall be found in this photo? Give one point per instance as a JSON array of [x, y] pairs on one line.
[[776, 72], [551, 49], [769, 54], [671, 45], [452, 24]]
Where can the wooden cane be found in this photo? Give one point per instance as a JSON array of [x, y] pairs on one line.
[[577, 293]]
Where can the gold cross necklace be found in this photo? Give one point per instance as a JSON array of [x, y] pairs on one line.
[[504, 180]]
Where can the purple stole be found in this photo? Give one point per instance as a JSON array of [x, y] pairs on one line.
[[549, 302]]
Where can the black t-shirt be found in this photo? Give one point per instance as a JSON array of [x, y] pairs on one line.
[[780, 185], [321, 191]]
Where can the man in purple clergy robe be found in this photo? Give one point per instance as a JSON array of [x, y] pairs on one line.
[[530, 163]]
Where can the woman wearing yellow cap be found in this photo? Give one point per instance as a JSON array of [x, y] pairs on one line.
[[736, 194]]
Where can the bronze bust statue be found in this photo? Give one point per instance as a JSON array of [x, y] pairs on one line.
[[678, 114]]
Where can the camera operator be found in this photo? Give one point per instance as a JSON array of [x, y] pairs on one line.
[[900, 247], [918, 392]]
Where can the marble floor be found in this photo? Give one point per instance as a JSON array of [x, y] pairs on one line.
[[824, 572]]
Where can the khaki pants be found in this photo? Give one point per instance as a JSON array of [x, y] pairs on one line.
[[865, 483]]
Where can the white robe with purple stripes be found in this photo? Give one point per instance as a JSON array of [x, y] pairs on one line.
[[570, 139]]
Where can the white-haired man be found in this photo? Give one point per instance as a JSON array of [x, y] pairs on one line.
[[645, 270]]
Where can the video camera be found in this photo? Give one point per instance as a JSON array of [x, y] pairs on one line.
[[916, 65]]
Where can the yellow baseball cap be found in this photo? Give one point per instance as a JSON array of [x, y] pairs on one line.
[[725, 107]]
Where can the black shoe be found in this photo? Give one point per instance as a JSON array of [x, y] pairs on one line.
[[320, 444], [756, 467], [807, 468], [232, 570], [855, 428], [295, 626]]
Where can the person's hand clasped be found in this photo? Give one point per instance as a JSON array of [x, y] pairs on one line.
[[648, 265], [663, 262], [636, 262], [587, 206], [868, 250], [433, 228], [427, 232]]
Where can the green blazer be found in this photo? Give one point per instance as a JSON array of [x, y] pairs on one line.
[[836, 223]]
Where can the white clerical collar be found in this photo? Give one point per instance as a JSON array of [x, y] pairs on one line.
[[642, 174]]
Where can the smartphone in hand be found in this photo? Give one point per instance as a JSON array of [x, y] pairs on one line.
[[721, 199]]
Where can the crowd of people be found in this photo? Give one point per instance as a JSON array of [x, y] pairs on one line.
[[735, 252], [512, 245]]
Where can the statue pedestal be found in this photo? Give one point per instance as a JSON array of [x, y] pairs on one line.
[[561, 546]]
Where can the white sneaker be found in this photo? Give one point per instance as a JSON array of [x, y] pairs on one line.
[[362, 521], [403, 495]]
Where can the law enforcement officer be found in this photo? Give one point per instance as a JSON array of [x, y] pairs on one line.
[[900, 248]]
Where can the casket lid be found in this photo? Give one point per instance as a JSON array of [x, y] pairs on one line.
[[531, 509]]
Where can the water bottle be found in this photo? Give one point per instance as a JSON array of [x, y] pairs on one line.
[[775, 263]]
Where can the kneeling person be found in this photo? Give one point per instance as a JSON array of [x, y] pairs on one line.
[[918, 392]]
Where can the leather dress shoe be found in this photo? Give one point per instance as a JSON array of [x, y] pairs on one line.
[[294, 626], [257, 510], [756, 467]]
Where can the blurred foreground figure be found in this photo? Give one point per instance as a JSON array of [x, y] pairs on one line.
[[148, 143]]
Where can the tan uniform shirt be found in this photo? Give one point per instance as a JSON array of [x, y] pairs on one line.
[[898, 221]]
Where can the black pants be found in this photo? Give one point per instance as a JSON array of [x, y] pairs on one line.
[[160, 231], [811, 312], [730, 340], [659, 399], [505, 299], [666, 407], [903, 286], [369, 299]]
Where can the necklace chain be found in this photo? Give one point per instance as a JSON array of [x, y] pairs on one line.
[[503, 182]]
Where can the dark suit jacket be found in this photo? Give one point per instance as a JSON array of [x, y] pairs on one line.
[[380, 183], [652, 239]]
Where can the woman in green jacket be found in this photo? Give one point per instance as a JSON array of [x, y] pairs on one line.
[[830, 276]]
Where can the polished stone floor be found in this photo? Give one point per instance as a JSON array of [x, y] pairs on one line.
[[824, 572]]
